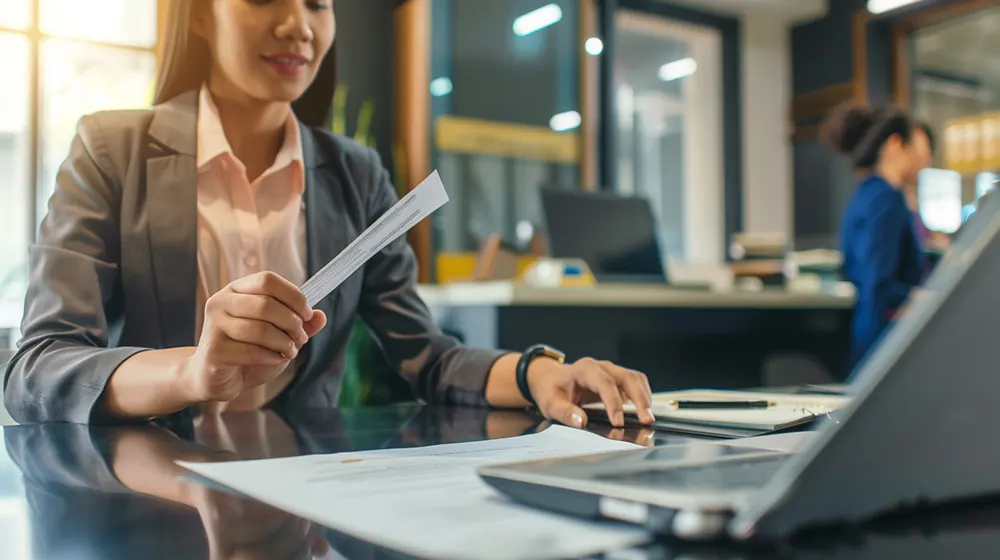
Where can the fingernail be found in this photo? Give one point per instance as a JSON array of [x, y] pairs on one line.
[[577, 420], [619, 419], [649, 412]]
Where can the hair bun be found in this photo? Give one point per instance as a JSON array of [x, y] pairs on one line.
[[846, 126]]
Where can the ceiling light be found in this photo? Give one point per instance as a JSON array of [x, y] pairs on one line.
[[678, 69], [881, 6], [594, 46], [440, 87], [565, 121], [547, 15]]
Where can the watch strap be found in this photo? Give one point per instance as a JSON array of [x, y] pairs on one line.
[[529, 355]]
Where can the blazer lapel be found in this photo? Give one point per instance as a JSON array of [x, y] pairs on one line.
[[326, 233], [172, 210]]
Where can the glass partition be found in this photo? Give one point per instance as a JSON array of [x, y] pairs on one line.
[[668, 81], [505, 113]]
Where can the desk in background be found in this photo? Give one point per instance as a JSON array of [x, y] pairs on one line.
[[680, 338]]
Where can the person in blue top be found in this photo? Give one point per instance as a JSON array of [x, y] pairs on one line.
[[882, 253]]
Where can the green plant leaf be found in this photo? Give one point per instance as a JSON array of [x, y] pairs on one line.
[[362, 134], [338, 124]]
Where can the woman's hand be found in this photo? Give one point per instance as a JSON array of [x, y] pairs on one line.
[[560, 389], [252, 329]]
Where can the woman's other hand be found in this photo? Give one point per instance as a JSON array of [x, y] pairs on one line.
[[560, 389], [252, 329]]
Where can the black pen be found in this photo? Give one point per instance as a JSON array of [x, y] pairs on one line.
[[721, 404]]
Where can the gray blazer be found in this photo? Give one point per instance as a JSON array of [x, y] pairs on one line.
[[114, 270]]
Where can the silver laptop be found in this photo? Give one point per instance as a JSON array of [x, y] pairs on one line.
[[920, 430]]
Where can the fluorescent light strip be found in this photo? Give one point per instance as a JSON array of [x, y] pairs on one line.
[[565, 121], [549, 14], [678, 69], [882, 6]]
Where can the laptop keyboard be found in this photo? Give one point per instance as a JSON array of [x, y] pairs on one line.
[[724, 475]]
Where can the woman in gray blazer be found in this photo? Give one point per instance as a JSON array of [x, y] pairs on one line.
[[122, 320]]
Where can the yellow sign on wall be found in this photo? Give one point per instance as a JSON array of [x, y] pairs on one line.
[[991, 142], [953, 153], [474, 136], [972, 144]]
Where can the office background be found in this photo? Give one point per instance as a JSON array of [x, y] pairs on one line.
[[708, 108]]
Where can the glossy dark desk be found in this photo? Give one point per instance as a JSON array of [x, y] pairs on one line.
[[71, 491]]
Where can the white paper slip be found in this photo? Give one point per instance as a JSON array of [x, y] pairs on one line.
[[429, 501], [408, 212]]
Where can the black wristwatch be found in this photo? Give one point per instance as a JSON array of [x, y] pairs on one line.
[[539, 350]]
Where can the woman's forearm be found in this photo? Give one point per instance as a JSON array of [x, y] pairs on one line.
[[145, 464], [501, 384], [149, 384]]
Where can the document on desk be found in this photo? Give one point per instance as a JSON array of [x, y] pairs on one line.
[[408, 212], [429, 501]]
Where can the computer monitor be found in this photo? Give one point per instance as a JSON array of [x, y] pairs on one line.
[[615, 235], [939, 194]]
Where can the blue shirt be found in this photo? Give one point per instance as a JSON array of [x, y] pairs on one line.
[[882, 258]]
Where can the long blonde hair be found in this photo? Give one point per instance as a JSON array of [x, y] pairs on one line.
[[186, 62]]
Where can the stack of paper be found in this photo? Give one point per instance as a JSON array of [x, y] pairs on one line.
[[429, 501]]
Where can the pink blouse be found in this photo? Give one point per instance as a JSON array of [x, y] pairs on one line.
[[244, 227]]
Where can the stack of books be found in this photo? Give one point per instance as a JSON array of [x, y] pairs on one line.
[[761, 256]]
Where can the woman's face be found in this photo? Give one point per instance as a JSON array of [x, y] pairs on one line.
[[269, 50], [908, 157], [918, 152]]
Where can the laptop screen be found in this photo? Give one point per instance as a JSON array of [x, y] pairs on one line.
[[918, 428], [614, 235]]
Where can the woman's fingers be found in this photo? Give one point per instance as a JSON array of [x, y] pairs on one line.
[[268, 309], [593, 377], [243, 354], [271, 284], [259, 333], [634, 387], [561, 409], [315, 324], [613, 385]]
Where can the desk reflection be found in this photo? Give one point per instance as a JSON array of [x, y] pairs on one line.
[[116, 492]]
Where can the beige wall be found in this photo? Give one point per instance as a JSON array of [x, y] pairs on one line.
[[767, 160]]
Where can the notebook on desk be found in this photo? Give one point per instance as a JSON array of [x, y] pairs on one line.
[[786, 411]]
